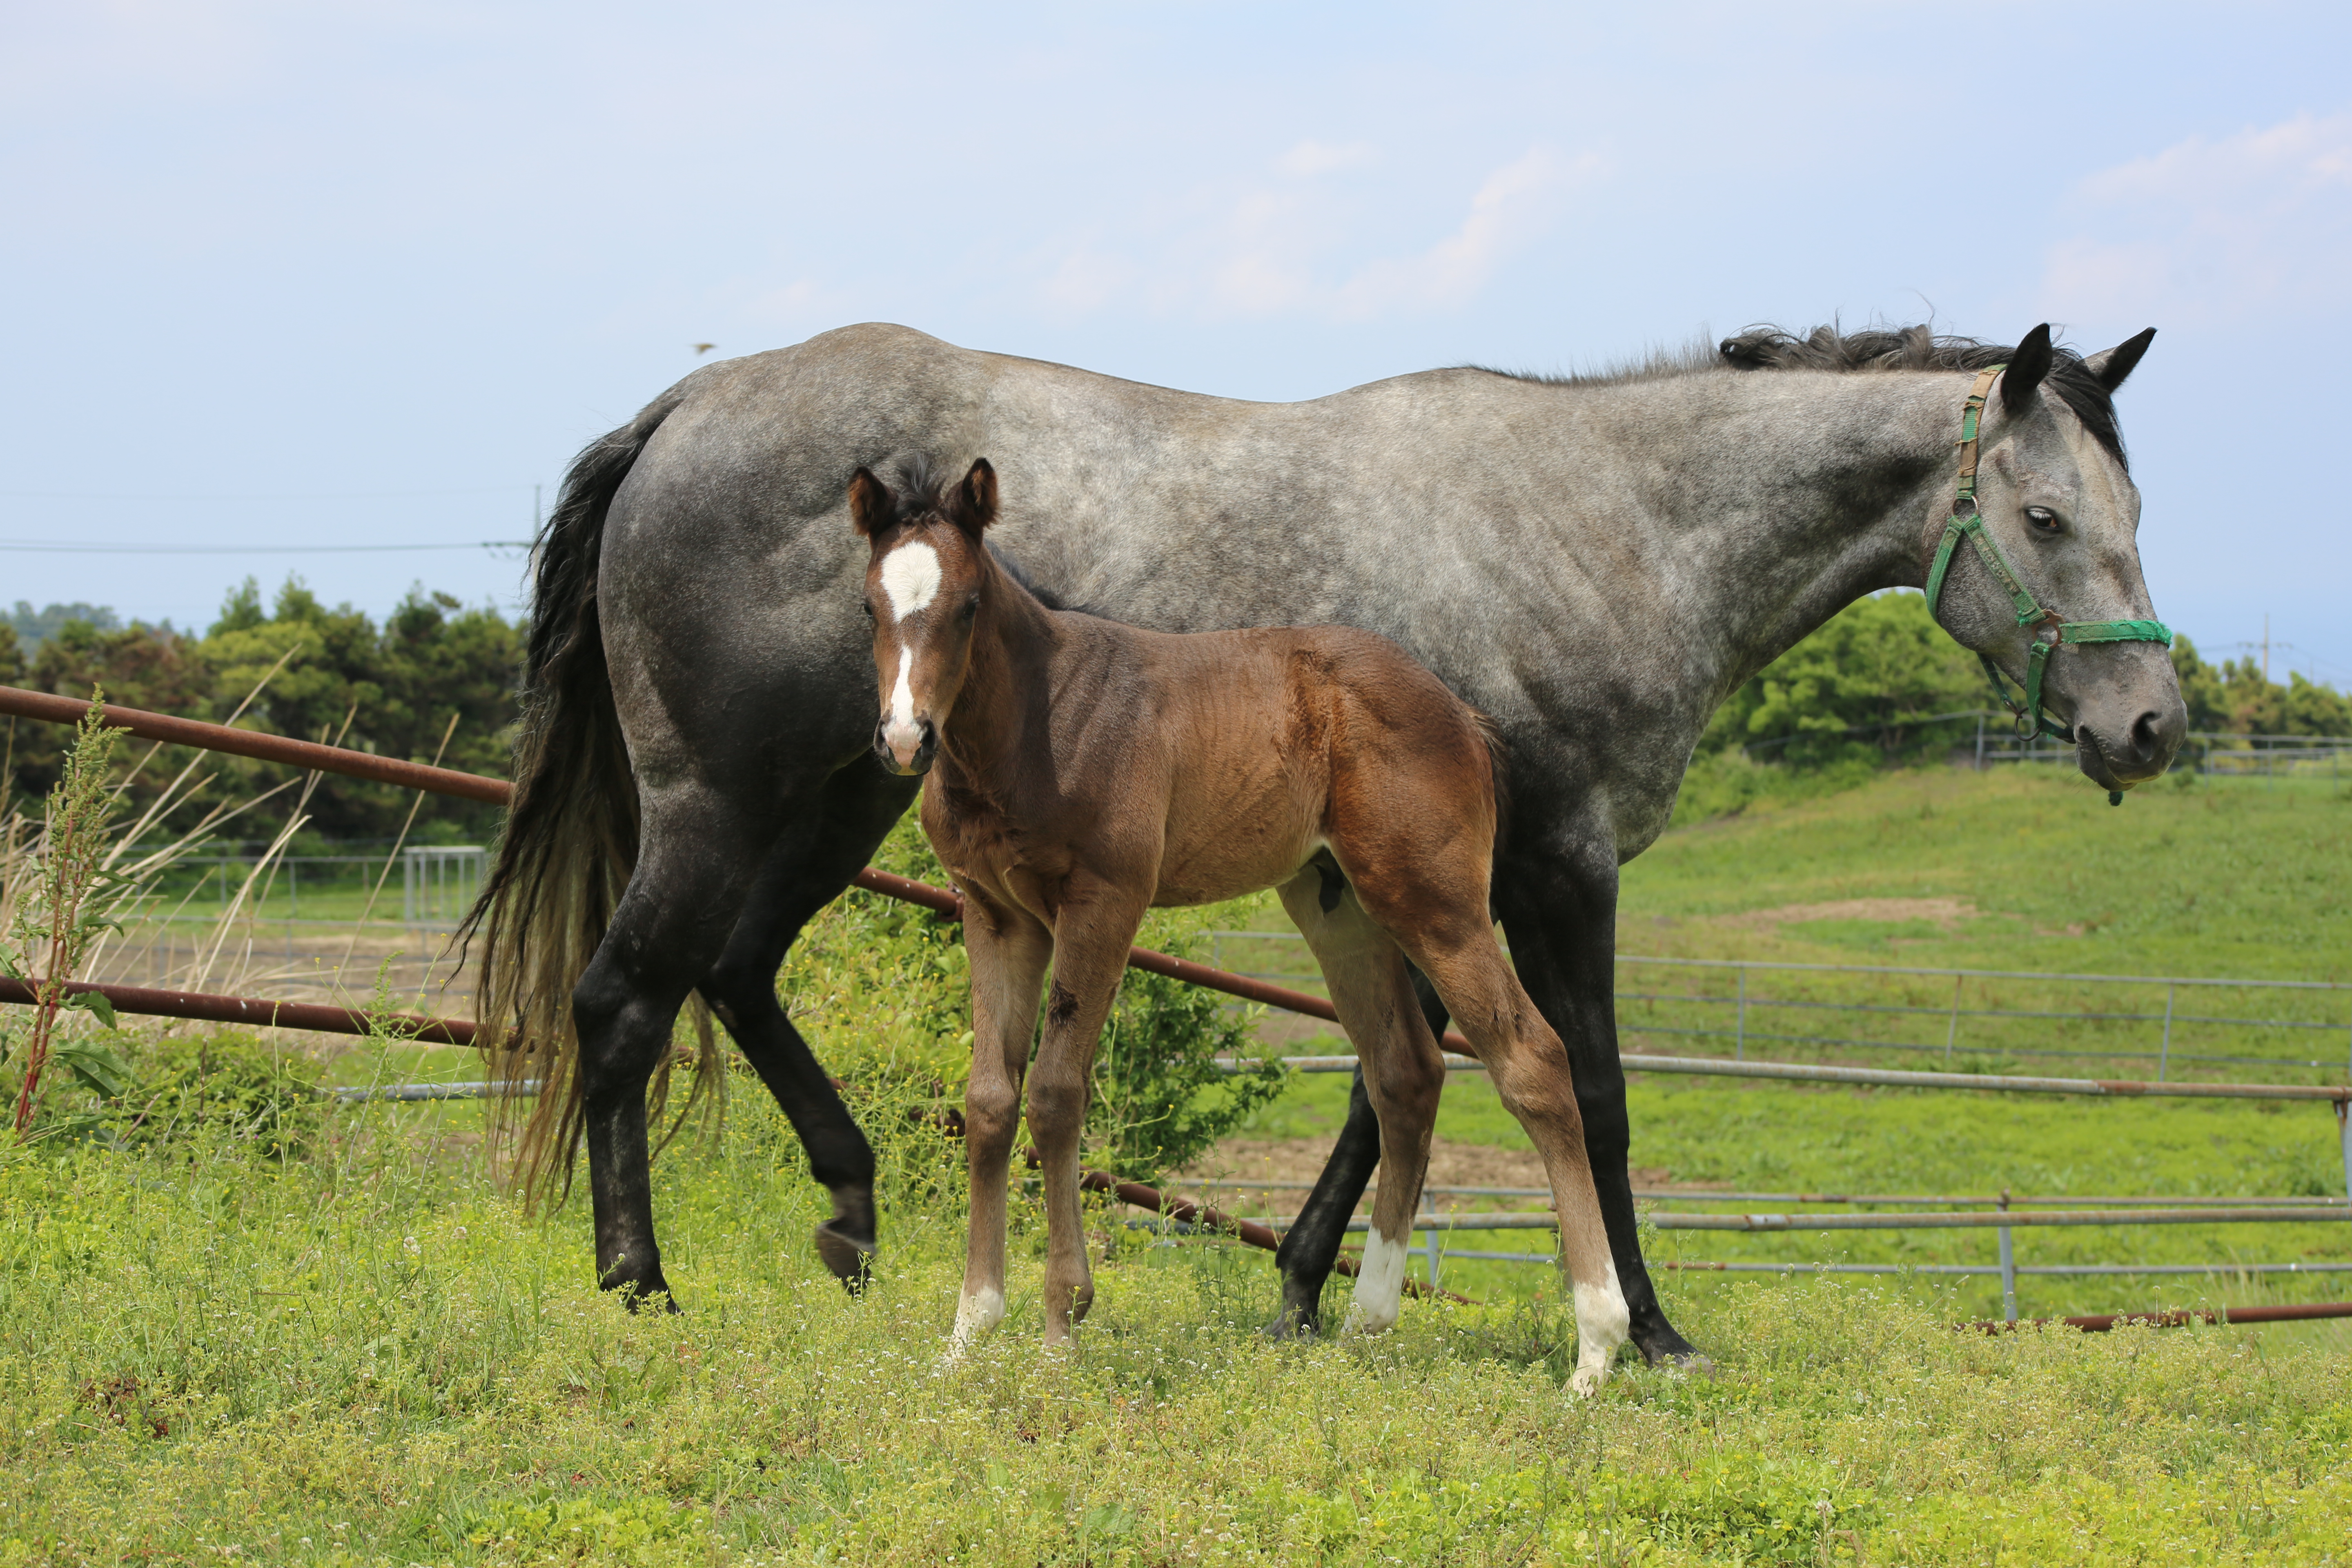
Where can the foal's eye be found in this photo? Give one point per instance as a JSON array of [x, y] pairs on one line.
[[867, 606], [2043, 519], [971, 606]]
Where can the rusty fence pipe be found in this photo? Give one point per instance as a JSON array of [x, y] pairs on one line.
[[254, 1013], [308, 755]]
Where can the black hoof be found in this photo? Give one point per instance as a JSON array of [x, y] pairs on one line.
[[851, 1261], [638, 1295], [1294, 1326]]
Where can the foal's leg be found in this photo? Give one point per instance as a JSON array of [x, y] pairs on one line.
[[1009, 950], [1092, 931], [1443, 925], [1312, 1243], [1403, 1072]]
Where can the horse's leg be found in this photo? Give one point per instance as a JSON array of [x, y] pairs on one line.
[[1556, 898], [671, 925], [1311, 1245], [1093, 928], [1009, 950], [812, 859], [1405, 1073]]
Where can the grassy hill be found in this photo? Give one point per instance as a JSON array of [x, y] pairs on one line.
[[2025, 869]]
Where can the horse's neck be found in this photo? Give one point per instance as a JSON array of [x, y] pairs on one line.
[[1768, 536]]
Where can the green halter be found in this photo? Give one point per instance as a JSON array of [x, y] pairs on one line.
[[1966, 521]]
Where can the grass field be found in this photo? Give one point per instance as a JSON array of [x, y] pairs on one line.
[[368, 1354]]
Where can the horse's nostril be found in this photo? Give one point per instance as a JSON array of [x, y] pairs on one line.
[[2147, 737]]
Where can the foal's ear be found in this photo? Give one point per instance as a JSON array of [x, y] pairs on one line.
[[2028, 363], [2111, 365], [871, 507], [972, 505]]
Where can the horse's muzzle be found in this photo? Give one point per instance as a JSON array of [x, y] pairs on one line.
[[907, 761], [2119, 756]]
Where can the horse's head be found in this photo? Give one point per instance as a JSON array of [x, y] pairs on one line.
[[2059, 508], [924, 586]]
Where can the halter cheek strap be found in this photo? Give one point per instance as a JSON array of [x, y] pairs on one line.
[[2049, 631]]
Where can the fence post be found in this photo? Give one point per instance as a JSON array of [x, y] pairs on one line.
[[2164, 1052], [1979, 742], [1739, 1044], [2008, 1268], [2344, 1127], [294, 889], [1429, 1245], [1952, 1035]]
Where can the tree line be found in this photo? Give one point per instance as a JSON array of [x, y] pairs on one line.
[[1873, 684], [1880, 677], [436, 669]]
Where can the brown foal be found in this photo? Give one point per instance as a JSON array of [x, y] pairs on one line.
[[1082, 771]]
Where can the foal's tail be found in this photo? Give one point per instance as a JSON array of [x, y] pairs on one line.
[[571, 837], [1498, 772]]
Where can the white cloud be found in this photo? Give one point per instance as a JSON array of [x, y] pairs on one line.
[[2213, 230], [1517, 202], [1295, 248], [1309, 159]]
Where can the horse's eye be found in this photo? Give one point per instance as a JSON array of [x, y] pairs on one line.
[[867, 606], [2043, 519], [971, 606]]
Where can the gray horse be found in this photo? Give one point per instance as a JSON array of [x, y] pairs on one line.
[[1595, 561]]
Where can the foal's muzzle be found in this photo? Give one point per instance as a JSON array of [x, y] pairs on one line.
[[909, 753]]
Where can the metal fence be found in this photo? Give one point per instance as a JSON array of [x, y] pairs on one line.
[[2208, 753], [1983, 1015]]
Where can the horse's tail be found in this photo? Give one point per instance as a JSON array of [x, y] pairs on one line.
[[571, 836]]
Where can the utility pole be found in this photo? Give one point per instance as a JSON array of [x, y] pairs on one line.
[[2266, 647]]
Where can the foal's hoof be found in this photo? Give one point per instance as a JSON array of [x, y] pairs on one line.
[[851, 1261]]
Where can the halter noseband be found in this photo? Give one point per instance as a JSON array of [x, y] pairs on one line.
[[1967, 520]]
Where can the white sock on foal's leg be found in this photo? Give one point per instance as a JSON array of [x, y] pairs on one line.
[[1602, 1324], [977, 1314], [1379, 1285]]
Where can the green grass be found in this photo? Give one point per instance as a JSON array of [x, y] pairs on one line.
[[373, 1356]]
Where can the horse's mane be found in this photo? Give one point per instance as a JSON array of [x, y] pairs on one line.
[[1871, 349]]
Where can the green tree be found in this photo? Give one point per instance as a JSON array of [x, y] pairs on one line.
[[1861, 684], [2202, 688]]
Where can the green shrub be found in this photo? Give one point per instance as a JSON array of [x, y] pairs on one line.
[[883, 989], [1160, 1100], [226, 1088]]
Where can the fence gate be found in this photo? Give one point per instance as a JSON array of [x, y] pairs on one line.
[[438, 882]]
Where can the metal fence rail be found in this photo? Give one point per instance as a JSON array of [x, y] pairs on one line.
[[2150, 1007]]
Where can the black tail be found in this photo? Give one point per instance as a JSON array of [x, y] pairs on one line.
[[571, 837]]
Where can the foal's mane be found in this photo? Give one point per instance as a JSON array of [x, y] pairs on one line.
[[918, 487], [1871, 349]]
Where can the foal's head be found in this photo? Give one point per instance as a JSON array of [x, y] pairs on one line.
[[924, 586]]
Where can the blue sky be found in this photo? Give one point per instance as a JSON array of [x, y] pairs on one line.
[[336, 274]]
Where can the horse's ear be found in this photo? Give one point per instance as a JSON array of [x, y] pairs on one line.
[[2028, 363], [2111, 365], [871, 508], [973, 506]]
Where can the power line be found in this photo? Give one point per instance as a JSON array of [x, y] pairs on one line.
[[58, 547], [259, 495]]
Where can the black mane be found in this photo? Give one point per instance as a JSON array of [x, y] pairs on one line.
[[1873, 348]]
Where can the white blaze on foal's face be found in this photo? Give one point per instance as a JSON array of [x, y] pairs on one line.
[[909, 577]]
